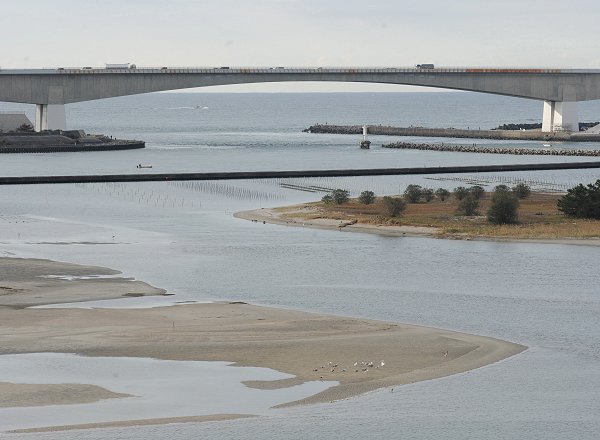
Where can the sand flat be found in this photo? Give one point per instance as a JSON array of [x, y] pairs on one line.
[[362, 355], [32, 282]]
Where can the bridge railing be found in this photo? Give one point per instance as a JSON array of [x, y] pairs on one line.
[[300, 70], [291, 70]]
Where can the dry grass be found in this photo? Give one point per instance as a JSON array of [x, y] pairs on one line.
[[539, 218]]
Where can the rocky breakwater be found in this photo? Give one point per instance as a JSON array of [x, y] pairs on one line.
[[493, 150], [386, 130]]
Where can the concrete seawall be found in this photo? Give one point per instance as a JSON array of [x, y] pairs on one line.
[[111, 146], [242, 175], [529, 135]]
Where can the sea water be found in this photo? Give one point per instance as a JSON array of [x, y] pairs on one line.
[[184, 238]]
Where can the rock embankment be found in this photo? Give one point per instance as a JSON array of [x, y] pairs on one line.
[[385, 130], [457, 148]]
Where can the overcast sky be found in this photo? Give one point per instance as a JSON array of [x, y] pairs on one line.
[[545, 33]]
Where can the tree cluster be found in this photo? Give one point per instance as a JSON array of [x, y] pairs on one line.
[[581, 201], [416, 193], [504, 206]]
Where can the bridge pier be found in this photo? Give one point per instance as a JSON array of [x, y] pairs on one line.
[[50, 117], [560, 115]]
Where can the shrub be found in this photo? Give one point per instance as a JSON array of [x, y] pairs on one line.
[[340, 196], [442, 194], [477, 191], [504, 207], [413, 193], [460, 192], [327, 198], [366, 197], [394, 206], [521, 190], [427, 194], [469, 205], [500, 188], [581, 201]]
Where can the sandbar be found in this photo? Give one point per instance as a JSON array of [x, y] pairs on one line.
[[361, 355]]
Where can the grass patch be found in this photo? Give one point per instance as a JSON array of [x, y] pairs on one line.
[[539, 218]]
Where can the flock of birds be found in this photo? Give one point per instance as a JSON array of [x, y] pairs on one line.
[[358, 366], [363, 366]]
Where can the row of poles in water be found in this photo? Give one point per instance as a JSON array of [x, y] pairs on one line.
[[178, 195]]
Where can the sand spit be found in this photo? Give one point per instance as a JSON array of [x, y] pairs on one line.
[[31, 282], [362, 355], [23, 394], [304, 216], [297, 216], [143, 422]]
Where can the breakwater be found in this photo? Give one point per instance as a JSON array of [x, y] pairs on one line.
[[243, 175], [457, 148], [105, 146], [386, 130]]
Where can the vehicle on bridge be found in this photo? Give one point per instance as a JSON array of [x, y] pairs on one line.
[[425, 66], [120, 66]]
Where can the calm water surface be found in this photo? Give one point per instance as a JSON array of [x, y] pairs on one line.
[[183, 237]]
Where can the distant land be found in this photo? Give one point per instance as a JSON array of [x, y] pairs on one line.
[[52, 141]]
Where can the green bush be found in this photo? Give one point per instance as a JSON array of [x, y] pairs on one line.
[[427, 194], [581, 201], [504, 207], [468, 205], [366, 197], [327, 198], [340, 196], [521, 190], [413, 193], [500, 188], [442, 194], [460, 192], [477, 191], [394, 206]]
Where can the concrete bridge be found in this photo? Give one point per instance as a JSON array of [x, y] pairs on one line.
[[51, 89]]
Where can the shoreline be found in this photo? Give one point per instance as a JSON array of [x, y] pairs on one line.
[[308, 346], [275, 216]]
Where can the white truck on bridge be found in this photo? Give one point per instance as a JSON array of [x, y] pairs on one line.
[[120, 66]]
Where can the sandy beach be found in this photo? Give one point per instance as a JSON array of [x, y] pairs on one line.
[[296, 216], [361, 355]]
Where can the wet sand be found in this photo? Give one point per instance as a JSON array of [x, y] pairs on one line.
[[362, 355], [32, 282]]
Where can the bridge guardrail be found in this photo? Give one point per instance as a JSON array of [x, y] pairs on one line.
[[293, 70]]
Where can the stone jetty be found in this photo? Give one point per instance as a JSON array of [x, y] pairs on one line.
[[386, 130], [473, 148]]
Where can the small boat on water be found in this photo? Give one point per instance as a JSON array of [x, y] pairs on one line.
[[139, 165], [547, 145]]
